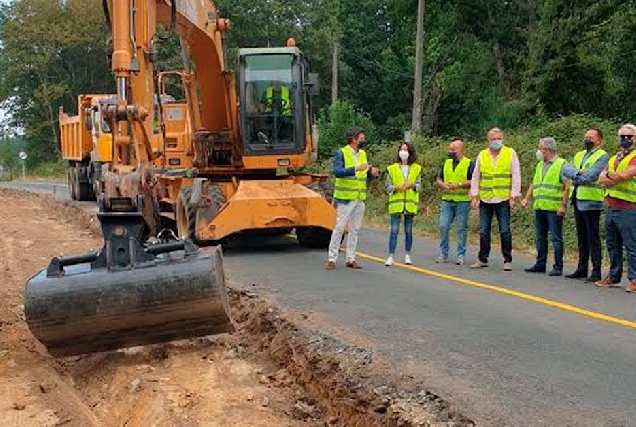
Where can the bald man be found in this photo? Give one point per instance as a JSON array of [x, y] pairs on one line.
[[453, 179]]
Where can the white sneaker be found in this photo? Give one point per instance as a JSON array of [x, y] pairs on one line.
[[407, 259], [507, 266], [389, 261]]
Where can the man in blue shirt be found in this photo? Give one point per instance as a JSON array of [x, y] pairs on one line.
[[587, 202], [350, 204]]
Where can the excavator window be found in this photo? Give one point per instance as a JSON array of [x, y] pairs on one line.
[[270, 95]]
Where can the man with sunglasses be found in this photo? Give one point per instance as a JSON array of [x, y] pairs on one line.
[[620, 222]]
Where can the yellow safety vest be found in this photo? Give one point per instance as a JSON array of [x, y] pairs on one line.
[[284, 95], [547, 190], [404, 201], [456, 176], [593, 190], [351, 187], [624, 190], [496, 180]]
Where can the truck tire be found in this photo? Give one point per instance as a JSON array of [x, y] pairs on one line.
[[217, 197], [185, 214], [70, 178], [313, 237], [316, 237], [85, 192]]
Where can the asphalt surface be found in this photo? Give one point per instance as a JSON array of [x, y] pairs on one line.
[[500, 359]]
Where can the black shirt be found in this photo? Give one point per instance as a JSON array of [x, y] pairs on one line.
[[469, 175]]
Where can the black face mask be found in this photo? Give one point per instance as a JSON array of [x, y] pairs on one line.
[[452, 155], [588, 144]]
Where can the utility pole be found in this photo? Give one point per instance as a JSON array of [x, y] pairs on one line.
[[416, 120], [334, 71]]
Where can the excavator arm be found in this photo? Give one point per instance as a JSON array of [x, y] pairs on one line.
[[133, 30], [136, 291]]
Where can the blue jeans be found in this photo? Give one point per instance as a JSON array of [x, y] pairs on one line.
[[450, 211], [486, 212], [620, 230], [395, 228], [545, 221]]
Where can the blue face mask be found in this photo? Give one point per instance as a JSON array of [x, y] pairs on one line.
[[496, 145], [626, 143], [361, 143]]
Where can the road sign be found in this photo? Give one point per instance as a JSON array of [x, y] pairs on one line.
[[22, 155]]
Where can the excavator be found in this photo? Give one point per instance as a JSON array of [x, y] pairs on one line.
[[219, 162]]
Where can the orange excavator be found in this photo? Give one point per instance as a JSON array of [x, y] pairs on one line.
[[217, 162]]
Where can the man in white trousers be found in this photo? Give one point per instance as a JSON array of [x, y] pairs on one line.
[[350, 191]]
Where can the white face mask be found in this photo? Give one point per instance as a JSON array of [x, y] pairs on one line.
[[539, 155], [404, 155]]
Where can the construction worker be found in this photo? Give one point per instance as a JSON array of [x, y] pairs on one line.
[[454, 179], [550, 196], [495, 184], [403, 184], [277, 98], [587, 197], [619, 177], [350, 191]]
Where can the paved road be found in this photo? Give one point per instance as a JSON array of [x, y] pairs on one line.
[[502, 359]]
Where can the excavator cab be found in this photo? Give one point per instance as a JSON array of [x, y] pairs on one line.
[[275, 89]]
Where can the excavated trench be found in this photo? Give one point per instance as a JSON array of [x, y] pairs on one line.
[[279, 361]]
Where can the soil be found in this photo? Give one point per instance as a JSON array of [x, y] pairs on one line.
[[281, 368]]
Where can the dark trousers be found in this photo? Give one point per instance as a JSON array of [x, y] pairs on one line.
[[486, 213], [545, 221], [589, 240], [620, 230]]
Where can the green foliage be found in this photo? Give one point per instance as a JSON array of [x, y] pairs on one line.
[[9, 149], [54, 169], [333, 122], [50, 52]]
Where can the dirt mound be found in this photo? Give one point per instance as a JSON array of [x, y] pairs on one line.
[[280, 368]]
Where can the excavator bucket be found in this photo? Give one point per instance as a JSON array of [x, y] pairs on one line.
[[127, 295]]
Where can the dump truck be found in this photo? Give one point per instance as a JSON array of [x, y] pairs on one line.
[[221, 160], [86, 144]]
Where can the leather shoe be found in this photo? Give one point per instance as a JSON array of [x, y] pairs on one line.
[[593, 279], [354, 265], [577, 275], [535, 269], [555, 273]]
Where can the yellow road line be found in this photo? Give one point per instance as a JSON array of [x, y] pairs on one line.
[[498, 289], [501, 290]]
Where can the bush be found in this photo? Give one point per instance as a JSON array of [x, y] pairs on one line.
[[55, 169], [333, 122]]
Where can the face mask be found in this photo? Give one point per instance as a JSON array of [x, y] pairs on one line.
[[404, 155], [361, 143], [588, 144], [496, 145], [539, 155], [452, 155], [626, 143]]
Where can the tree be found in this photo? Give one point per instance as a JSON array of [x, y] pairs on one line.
[[51, 52]]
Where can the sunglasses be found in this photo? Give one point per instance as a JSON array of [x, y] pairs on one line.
[[627, 136]]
